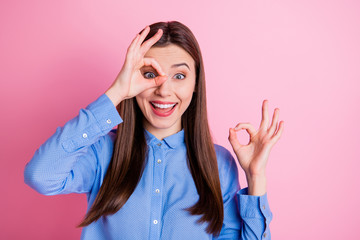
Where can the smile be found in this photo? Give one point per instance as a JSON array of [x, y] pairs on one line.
[[163, 105], [163, 109]]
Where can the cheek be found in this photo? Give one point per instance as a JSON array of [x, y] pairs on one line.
[[185, 92], [142, 97]]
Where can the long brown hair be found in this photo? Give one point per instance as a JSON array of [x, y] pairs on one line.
[[128, 160]]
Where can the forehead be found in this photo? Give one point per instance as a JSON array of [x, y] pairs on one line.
[[171, 54]]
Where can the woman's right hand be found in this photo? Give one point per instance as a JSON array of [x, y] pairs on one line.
[[130, 81]]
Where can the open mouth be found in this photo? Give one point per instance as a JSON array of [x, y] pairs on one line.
[[163, 110]]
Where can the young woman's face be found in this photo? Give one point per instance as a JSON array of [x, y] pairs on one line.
[[164, 105]]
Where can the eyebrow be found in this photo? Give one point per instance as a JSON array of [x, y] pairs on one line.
[[180, 64]]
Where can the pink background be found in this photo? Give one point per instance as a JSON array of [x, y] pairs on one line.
[[303, 56]]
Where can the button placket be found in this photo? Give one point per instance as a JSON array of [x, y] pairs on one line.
[[156, 196]]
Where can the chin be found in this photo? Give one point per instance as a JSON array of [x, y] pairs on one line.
[[161, 124]]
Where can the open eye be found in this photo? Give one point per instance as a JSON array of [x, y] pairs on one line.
[[179, 76], [149, 75]]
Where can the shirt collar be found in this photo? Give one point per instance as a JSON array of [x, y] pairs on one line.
[[172, 141]]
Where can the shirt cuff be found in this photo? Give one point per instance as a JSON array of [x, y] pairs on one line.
[[105, 113], [253, 206], [97, 120]]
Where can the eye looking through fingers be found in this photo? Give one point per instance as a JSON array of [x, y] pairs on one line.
[[153, 75], [149, 74]]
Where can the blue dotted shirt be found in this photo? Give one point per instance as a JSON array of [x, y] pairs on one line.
[[75, 159]]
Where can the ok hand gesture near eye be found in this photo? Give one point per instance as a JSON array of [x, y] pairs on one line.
[[253, 156], [130, 81]]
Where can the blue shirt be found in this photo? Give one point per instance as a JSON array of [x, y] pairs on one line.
[[75, 159]]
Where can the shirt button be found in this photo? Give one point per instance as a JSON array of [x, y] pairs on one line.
[[159, 161], [157, 190], [155, 221], [84, 135], [264, 235], [263, 206], [159, 144], [108, 121]]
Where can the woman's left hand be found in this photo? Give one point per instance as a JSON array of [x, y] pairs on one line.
[[253, 156]]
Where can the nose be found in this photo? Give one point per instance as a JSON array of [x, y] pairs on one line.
[[164, 89]]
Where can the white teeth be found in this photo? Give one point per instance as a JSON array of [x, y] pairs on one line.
[[163, 105]]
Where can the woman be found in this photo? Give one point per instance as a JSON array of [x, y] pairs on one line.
[[159, 175]]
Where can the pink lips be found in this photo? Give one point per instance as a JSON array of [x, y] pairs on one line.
[[163, 114]]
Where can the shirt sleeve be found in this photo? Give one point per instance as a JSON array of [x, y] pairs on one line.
[[246, 216], [255, 214], [67, 161]]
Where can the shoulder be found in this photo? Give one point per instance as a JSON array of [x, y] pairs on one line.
[[226, 162], [224, 157], [221, 151], [228, 170]]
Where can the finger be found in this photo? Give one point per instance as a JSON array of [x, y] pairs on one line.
[[152, 62], [151, 41], [133, 42], [155, 82], [247, 126], [265, 118], [130, 50], [143, 35], [274, 121], [277, 135], [233, 139], [160, 80]]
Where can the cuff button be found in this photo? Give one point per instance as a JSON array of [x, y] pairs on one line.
[[84, 135], [108, 121]]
